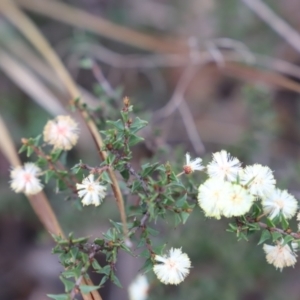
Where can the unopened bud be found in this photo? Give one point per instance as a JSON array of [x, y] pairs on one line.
[[187, 169], [24, 141], [126, 101]]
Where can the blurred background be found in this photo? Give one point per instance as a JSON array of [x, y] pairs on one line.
[[207, 75]]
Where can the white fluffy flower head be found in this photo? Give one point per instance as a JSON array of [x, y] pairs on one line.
[[139, 288], [258, 179], [91, 191], [280, 255], [224, 166], [62, 132], [280, 202], [173, 268], [192, 165], [295, 246], [211, 194], [25, 179], [238, 203]]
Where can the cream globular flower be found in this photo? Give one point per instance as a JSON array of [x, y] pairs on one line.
[[91, 191], [192, 165], [211, 194], [172, 268], [25, 179], [224, 166], [280, 255], [62, 132], [295, 246], [238, 203], [139, 288], [279, 201], [298, 219], [258, 179]]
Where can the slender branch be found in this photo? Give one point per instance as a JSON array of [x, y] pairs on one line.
[[77, 17], [83, 271], [275, 22], [190, 126], [115, 185], [215, 53], [138, 177], [236, 46], [177, 101], [296, 235], [103, 82], [145, 219], [265, 226], [52, 166], [232, 59], [98, 170], [177, 97]]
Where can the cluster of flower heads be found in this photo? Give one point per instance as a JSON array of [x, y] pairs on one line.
[[231, 190], [61, 133], [25, 179]]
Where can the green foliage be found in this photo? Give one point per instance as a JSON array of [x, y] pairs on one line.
[[265, 235], [59, 297], [162, 195], [77, 256]]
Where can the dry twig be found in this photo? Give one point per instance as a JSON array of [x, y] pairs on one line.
[[76, 17], [275, 22], [190, 127]]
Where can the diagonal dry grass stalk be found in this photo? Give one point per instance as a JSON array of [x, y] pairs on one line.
[[26, 59], [79, 18], [29, 83], [275, 66], [29, 30], [39, 202], [280, 26], [254, 75], [76, 17]]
